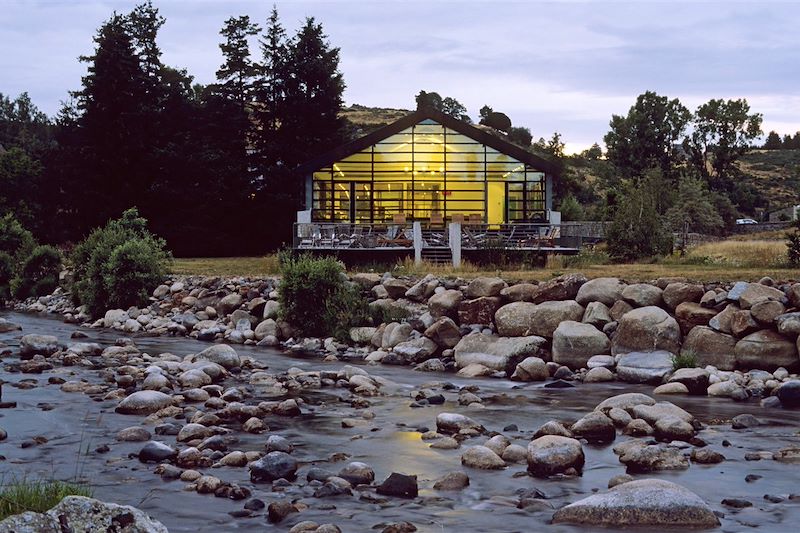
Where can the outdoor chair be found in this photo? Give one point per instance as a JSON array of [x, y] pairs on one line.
[[457, 219], [437, 220]]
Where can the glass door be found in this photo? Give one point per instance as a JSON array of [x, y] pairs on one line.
[[352, 201]]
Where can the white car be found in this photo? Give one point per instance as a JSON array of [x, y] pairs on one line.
[[745, 221]]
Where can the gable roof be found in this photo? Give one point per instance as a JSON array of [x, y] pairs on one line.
[[414, 118]]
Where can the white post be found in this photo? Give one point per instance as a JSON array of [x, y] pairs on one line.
[[455, 242], [417, 230]]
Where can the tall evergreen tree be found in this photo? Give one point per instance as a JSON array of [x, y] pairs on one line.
[[773, 141], [238, 72]]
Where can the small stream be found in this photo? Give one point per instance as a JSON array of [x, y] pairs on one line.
[[75, 425]]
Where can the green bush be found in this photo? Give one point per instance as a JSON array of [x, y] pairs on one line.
[[15, 240], [793, 246], [6, 274], [39, 273], [317, 299], [686, 359], [118, 266], [638, 231]]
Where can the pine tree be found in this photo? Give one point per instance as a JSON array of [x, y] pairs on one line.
[[238, 72], [773, 141]]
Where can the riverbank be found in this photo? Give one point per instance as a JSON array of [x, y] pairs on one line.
[[340, 422]]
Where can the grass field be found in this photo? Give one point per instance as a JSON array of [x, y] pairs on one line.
[[722, 261]]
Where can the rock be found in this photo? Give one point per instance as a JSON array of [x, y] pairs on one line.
[[756, 292], [551, 427], [653, 413], [619, 479], [642, 295], [722, 320], [710, 347], [475, 370], [221, 354], [452, 481], [400, 485], [744, 421], [479, 311], [554, 454], [575, 342], [789, 393], [423, 289], [482, 286], [704, 456], [765, 350], [33, 344], [514, 319], [641, 367], [624, 401], [725, 389], [228, 304], [482, 457], [598, 374], [676, 293], [521, 292], [79, 514], [155, 452], [619, 309], [531, 369], [642, 502], [144, 402], [646, 329], [597, 314], [114, 316], [789, 323], [671, 428], [6, 326], [431, 365], [133, 434], [366, 280], [274, 465], [497, 353], [450, 423], [416, 350], [515, 453], [357, 473], [445, 303], [595, 427], [654, 457], [605, 361], [691, 314], [192, 432], [605, 290], [547, 316], [767, 311], [395, 288], [444, 332], [266, 328], [394, 334], [672, 388], [695, 379], [742, 323], [638, 428], [277, 511]]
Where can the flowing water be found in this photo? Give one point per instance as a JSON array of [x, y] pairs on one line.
[[75, 425]]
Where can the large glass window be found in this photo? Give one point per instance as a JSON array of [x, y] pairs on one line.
[[425, 171]]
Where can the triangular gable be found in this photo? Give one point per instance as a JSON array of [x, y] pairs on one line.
[[418, 117]]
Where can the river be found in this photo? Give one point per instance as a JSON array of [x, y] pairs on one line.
[[75, 425]]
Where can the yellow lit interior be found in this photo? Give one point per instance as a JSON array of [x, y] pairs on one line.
[[428, 170]]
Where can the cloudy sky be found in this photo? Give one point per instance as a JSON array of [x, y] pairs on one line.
[[551, 66]]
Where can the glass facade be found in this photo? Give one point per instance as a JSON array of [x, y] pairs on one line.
[[428, 172]]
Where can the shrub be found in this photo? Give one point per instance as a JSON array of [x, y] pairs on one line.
[[39, 273], [685, 359], [637, 230], [317, 299], [36, 496], [15, 240], [118, 265], [793, 245], [6, 273]]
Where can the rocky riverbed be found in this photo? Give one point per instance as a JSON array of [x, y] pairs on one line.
[[250, 435]]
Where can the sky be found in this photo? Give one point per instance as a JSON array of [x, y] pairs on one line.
[[551, 66]]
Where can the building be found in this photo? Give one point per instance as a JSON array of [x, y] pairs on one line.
[[428, 166]]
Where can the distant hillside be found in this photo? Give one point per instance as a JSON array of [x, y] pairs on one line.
[[365, 119], [775, 173]]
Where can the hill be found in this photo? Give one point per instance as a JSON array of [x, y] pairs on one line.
[[775, 174]]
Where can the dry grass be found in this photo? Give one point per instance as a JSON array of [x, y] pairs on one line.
[[226, 266], [750, 253], [773, 235]]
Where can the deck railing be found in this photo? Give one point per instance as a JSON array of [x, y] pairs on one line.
[[522, 236]]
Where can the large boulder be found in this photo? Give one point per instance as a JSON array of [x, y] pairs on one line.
[[479, 311], [646, 329], [722, 320], [450, 423], [676, 293], [274, 465], [561, 288], [765, 350], [756, 292], [33, 344], [144, 402], [416, 350], [521, 292], [742, 323], [624, 401], [479, 287], [767, 311], [483, 458], [445, 303], [639, 503], [229, 304], [6, 326], [597, 314], [595, 427], [691, 314], [695, 380], [498, 353], [444, 332], [710, 347], [221, 354], [531, 369], [266, 328], [789, 323], [423, 289], [642, 295], [644, 367], [514, 319], [114, 316], [548, 315], [395, 288], [79, 513], [640, 458], [606, 290], [554, 454], [575, 342]]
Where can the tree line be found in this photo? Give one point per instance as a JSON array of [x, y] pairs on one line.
[[208, 165]]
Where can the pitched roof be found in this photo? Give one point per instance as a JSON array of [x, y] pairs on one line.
[[417, 116]]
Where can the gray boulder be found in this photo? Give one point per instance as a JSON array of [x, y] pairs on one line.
[[498, 353], [789, 323], [144, 402], [644, 367], [676, 293], [597, 314], [606, 290], [561, 288], [521, 292], [642, 295], [765, 350], [554, 454], [444, 332], [479, 287], [81, 514], [531, 369], [756, 292], [416, 350], [274, 465], [514, 319], [445, 303], [575, 342], [221, 354], [641, 502], [228, 304], [33, 344], [646, 329], [710, 347]]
